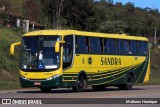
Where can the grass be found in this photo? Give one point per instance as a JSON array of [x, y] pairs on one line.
[[7, 62], [8, 65], [9, 85], [155, 66]]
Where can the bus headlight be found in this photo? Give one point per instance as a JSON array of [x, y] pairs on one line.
[[53, 77], [24, 77]]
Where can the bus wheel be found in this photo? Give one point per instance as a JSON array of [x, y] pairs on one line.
[[98, 87], [45, 90], [128, 85], [80, 85]]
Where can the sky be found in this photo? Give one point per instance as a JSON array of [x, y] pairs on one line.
[[153, 4]]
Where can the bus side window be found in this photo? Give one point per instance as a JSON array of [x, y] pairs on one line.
[[143, 47], [122, 46], [105, 46], [67, 51], [87, 45], [115, 46], [110, 45], [102, 45], [134, 47], [95, 46], [81, 44], [128, 48]]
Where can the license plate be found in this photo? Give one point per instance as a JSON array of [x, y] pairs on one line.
[[37, 83]]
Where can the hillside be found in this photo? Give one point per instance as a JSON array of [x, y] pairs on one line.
[[9, 65], [106, 16], [155, 66]]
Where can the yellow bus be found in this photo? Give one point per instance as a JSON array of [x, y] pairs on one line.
[[77, 59]]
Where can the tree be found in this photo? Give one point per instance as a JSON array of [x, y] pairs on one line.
[[79, 14], [118, 4], [4, 11], [130, 7], [32, 10], [113, 27], [53, 10]]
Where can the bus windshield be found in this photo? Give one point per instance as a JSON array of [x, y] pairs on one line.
[[37, 53]]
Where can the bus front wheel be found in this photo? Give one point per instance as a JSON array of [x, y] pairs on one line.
[[80, 85], [45, 90]]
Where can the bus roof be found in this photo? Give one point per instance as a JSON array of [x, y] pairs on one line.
[[83, 33]]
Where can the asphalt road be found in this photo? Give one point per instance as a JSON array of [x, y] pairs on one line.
[[110, 95]]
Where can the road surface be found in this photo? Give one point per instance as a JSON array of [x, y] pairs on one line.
[[110, 94]]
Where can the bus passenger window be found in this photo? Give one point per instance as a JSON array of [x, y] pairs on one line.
[[87, 45], [122, 47], [134, 47], [105, 46], [81, 44], [110, 46], [128, 47], [143, 47], [102, 45], [95, 46]]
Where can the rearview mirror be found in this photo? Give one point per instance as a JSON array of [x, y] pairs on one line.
[[12, 47], [57, 45]]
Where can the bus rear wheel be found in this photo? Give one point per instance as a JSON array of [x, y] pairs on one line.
[[81, 85], [128, 85], [45, 90]]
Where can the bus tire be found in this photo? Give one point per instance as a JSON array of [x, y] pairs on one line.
[[98, 87], [45, 90], [81, 85], [128, 85]]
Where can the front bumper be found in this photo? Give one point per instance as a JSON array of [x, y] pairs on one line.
[[52, 83]]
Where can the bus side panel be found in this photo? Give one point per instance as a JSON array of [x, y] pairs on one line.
[[104, 69], [69, 77], [145, 72], [146, 79]]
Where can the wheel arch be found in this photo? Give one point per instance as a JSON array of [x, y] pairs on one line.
[[132, 74], [82, 73]]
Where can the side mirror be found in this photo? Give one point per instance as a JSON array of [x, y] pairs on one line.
[[12, 47], [57, 45]]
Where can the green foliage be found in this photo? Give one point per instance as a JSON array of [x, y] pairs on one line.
[[9, 66], [7, 62], [79, 14], [17, 6], [88, 15], [113, 27], [9, 85]]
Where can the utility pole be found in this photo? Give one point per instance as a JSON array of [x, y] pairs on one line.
[[155, 29], [58, 12], [155, 32]]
